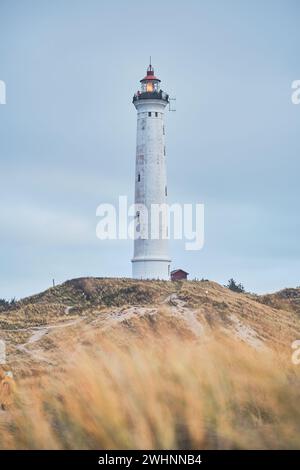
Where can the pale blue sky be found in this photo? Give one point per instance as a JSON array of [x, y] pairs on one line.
[[67, 134]]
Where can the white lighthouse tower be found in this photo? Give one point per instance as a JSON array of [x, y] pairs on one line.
[[151, 258]]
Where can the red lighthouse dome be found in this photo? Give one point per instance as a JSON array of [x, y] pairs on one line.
[[150, 75]]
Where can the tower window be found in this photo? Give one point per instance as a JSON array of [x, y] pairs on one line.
[[163, 130], [138, 226], [139, 177], [156, 114], [166, 191], [164, 150], [149, 113]]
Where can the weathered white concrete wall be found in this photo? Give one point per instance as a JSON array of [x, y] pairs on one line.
[[151, 258]]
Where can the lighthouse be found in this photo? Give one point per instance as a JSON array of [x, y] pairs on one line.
[[151, 258]]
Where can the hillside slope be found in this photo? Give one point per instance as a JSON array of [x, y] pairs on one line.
[[195, 308], [125, 364]]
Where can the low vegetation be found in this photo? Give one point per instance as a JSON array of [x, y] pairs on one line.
[[117, 363], [124, 390], [235, 287]]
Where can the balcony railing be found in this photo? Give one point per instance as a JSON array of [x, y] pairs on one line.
[[151, 95]]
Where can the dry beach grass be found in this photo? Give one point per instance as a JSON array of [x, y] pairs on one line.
[[179, 372]]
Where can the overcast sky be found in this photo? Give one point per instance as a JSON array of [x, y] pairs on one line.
[[67, 134]]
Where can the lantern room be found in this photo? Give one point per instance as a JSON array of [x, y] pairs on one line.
[[150, 88], [150, 83]]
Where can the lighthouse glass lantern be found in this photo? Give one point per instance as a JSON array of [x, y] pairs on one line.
[[150, 83], [150, 87]]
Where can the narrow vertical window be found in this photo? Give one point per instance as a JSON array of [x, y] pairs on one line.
[[156, 114], [139, 177], [138, 227], [166, 191], [149, 113], [164, 150], [163, 130]]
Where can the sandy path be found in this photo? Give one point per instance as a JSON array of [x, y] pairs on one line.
[[246, 333], [38, 333], [114, 317], [179, 309]]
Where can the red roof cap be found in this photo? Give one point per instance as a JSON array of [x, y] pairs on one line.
[[150, 75]]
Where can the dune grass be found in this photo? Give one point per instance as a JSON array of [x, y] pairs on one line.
[[157, 391]]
